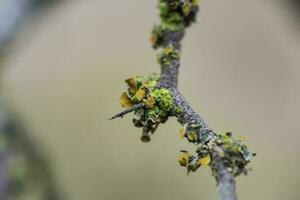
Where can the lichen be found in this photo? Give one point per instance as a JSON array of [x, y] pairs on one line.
[[156, 38], [165, 58], [175, 16], [163, 98], [154, 100], [190, 132], [233, 152], [235, 155], [157, 103]]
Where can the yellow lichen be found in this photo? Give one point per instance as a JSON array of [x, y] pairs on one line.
[[131, 84], [181, 133], [153, 39], [194, 125], [140, 93], [183, 158], [204, 161], [149, 102], [125, 101], [169, 49], [192, 136], [195, 2], [186, 8]]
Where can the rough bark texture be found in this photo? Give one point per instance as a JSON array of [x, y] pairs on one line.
[[168, 79], [226, 182]]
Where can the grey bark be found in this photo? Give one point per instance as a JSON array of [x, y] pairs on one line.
[[168, 79]]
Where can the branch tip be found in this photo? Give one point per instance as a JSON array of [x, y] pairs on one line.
[[129, 110]]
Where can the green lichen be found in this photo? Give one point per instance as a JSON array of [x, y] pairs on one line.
[[170, 20], [235, 155], [177, 111], [167, 56], [177, 14], [233, 152], [163, 98], [157, 36], [157, 103]]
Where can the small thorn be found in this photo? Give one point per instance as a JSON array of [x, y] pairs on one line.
[[114, 117], [129, 110]]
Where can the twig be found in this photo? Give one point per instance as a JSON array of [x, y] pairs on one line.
[[129, 110]]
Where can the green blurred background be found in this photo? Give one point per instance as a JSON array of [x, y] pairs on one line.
[[240, 70]]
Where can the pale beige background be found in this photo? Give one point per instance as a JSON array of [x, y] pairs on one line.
[[240, 71]]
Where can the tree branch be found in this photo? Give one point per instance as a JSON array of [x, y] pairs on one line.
[[168, 79], [226, 182], [227, 156], [14, 139]]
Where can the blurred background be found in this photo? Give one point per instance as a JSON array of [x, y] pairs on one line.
[[63, 64]]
